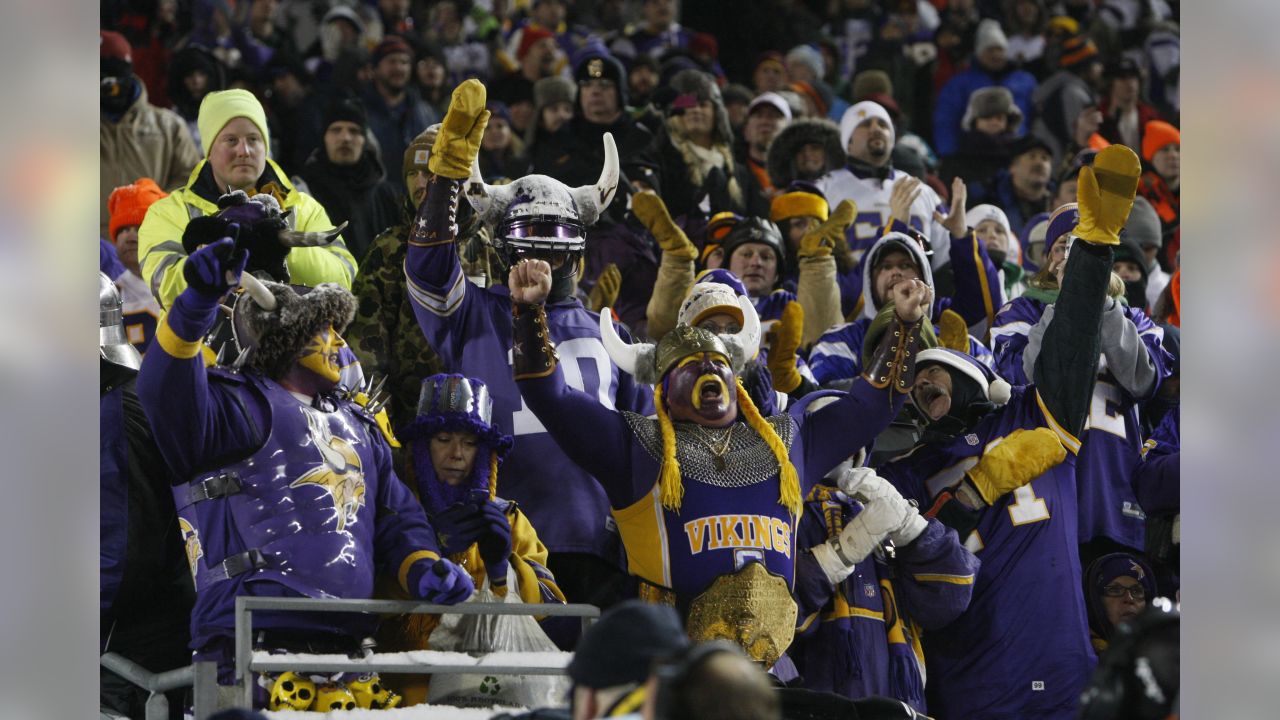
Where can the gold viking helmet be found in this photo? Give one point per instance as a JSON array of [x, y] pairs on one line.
[[682, 342], [649, 364]]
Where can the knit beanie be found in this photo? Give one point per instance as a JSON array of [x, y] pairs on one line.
[[856, 115], [810, 56], [1143, 225], [989, 35], [346, 110], [128, 204], [390, 45], [801, 199], [869, 82], [1156, 135], [554, 89], [1077, 51], [528, 36], [221, 107], [415, 158]]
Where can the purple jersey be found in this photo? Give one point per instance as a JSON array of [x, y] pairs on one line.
[[863, 637], [470, 328], [720, 526], [1022, 648], [309, 488], [1112, 438]]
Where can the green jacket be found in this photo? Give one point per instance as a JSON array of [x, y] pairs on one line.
[[160, 236]]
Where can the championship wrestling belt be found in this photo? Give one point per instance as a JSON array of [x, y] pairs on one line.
[[752, 608]]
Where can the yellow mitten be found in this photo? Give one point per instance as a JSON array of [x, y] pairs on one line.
[[458, 141], [1105, 194], [953, 331], [651, 211], [820, 241], [605, 293], [1023, 456], [784, 340]]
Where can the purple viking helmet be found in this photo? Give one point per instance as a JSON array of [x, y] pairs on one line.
[[541, 215], [454, 403]]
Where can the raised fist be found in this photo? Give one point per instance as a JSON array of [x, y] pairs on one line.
[[530, 282]]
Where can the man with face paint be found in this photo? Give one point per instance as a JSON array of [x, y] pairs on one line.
[[284, 483], [1132, 366], [998, 463], [708, 494]]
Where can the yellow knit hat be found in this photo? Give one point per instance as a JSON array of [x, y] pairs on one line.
[[221, 107]]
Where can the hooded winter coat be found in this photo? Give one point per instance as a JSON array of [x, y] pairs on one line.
[[358, 194]]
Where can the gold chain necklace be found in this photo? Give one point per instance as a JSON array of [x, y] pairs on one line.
[[717, 453]]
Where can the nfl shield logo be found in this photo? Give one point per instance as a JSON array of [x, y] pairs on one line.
[[869, 590], [971, 438]]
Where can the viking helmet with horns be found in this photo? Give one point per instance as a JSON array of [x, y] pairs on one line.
[[541, 214], [649, 363], [274, 321]]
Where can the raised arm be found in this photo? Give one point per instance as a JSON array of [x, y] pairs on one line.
[[194, 423], [978, 291], [592, 435], [675, 269], [1066, 368], [839, 429]]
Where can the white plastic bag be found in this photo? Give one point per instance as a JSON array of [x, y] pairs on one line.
[[480, 635]]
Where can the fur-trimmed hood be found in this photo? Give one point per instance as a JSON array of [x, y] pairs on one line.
[[782, 153]]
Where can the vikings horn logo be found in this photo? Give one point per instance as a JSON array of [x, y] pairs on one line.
[[340, 475], [191, 541]]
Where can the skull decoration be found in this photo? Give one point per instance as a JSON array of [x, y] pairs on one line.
[[334, 697], [371, 694], [291, 691]]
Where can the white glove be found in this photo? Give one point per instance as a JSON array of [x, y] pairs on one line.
[[863, 484], [857, 540], [852, 478]]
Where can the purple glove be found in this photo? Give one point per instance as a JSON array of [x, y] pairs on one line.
[[494, 543], [445, 583], [206, 270], [457, 526]]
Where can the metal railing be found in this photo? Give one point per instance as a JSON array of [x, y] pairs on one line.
[[246, 665], [202, 675]]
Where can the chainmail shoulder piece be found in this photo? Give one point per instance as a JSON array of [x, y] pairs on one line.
[[748, 460]]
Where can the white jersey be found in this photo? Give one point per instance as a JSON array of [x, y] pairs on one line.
[[872, 199]]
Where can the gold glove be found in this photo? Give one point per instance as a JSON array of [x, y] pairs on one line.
[[458, 141], [820, 241], [1105, 194], [652, 212], [1023, 456], [605, 293], [784, 340]]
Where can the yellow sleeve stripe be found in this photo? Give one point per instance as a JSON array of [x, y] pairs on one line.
[[408, 563], [987, 305], [850, 612], [944, 578], [1069, 441], [174, 345]]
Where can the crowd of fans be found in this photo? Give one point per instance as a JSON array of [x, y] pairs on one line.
[[824, 162]]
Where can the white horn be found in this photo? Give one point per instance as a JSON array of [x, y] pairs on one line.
[[593, 199], [259, 292], [489, 201], [625, 356], [749, 335]]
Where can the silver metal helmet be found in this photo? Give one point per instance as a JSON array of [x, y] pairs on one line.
[[113, 343], [539, 214]]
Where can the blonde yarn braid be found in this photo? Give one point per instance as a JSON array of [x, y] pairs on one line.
[[789, 480]]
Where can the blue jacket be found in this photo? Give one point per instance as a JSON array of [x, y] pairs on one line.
[[954, 99]]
